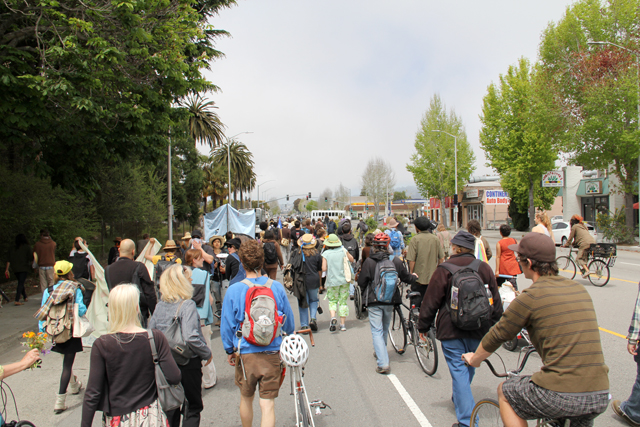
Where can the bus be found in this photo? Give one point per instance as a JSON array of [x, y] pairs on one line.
[[320, 214]]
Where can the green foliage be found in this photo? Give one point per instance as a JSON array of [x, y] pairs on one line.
[[593, 90], [520, 219], [372, 224], [30, 204], [400, 195], [613, 227], [515, 137], [312, 205], [433, 163]]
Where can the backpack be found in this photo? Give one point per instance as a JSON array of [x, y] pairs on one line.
[[80, 263], [468, 302], [261, 323], [161, 267], [396, 239], [363, 227], [57, 323], [385, 280], [270, 254], [296, 234], [351, 246]]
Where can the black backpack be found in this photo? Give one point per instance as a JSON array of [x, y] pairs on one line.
[[80, 263], [351, 246], [468, 301], [270, 254]]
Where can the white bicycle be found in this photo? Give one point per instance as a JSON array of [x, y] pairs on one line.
[[294, 353]]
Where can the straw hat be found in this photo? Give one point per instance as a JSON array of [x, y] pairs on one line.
[[332, 241], [187, 236], [307, 240], [170, 245], [221, 238], [392, 223]]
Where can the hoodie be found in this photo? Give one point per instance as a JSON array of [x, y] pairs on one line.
[[351, 245], [367, 277], [46, 250]]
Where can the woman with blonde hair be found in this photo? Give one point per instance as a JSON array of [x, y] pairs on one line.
[[122, 382], [176, 302], [543, 225], [445, 239]]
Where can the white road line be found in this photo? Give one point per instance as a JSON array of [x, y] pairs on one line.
[[628, 263], [424, 422]]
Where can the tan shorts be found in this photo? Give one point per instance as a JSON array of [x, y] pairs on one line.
[[260, 368]]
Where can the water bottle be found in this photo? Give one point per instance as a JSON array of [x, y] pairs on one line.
[[489, 294]]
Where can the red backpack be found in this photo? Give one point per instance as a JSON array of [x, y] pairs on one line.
[[261, 323]]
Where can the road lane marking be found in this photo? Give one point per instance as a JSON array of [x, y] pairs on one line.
[[612, 333], [628, 263], [422, 420]]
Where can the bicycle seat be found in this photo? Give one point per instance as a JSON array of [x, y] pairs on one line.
[[413, 294]]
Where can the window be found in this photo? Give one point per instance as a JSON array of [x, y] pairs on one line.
[[561, 226]]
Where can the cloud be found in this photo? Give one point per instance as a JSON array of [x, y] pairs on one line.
[[324, 86]]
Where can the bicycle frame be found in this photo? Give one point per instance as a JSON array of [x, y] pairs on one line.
[[297, 390]]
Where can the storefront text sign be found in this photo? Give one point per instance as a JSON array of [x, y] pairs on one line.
[[553, 179], [593, 187], [471, 194], [495, 197]]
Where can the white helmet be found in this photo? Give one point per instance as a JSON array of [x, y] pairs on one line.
[[294, 350]]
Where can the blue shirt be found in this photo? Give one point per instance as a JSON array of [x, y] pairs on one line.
[[233, 316], [82, 309]]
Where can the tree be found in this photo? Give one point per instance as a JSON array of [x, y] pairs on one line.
[[242, 173], [325, 194], [205, 126], [296, 204], [312, 205], [342, 196], [594, 89], [378, 179], [433, 163], [515, 139], [400, 195]]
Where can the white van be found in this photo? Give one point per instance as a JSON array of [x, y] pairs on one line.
[[319, 215]]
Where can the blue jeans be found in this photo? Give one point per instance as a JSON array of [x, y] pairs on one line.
[[461, 376], [631, 406], [312, 300], [379, 320]]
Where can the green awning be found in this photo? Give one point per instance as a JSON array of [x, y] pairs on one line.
[[560, 192], [593, 187]]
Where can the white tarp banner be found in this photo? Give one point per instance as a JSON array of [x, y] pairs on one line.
[[146, 262], [226, 218], [97, 311]]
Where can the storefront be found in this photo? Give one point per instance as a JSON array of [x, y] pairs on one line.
[[487, 203]]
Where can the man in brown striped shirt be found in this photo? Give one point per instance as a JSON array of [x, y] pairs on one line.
[[559, 316]]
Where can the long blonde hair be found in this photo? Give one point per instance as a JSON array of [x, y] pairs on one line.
[[124, 307], [174, 286], [544, 220]]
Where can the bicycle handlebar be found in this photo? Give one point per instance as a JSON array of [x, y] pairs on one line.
[[530, 350], [303, 331]]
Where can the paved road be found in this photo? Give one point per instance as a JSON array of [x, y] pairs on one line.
[[341, 370]]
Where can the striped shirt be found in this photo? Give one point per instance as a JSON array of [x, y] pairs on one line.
[[634, 327], [559, 316]]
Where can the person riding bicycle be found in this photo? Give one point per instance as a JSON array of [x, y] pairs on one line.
[[424, 254], [380, 312], [581, 238], [558, 313]]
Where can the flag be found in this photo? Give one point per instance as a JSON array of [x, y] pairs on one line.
[[279, 222], [480, 251]]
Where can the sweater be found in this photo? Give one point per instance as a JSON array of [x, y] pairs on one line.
[[122, 373], [45, 248], [561, 320]]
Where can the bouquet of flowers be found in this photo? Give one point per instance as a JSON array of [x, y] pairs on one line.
[[36, 340]]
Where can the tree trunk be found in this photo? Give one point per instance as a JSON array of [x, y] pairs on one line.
[[443, 216], [628, 211], [532, 208], [204, 210], [241, 200]]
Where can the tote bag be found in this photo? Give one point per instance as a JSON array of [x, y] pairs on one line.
[[170, 396], [81, 325]]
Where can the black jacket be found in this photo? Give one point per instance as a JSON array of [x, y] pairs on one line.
[[232, 267], [367, 276], [122, 271]]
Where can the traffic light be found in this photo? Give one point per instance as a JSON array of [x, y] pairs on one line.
[[455, 200], [325, 199], [287, 197], [309, 196]]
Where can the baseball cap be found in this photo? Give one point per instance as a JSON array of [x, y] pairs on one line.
[[62, 267], [536, 246]]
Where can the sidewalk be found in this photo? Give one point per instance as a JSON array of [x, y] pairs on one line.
[[16, 320]]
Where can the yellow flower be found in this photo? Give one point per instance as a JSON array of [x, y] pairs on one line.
[[32, 334], [24, 335]]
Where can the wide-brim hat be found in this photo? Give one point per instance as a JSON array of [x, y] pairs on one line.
[[170, 244], [392, 223], [332, 241], [197, 234], [186, 236], [62, 268], [221, 238], [464, 239], [307, 240]]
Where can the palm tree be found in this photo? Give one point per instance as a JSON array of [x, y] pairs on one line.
[[205, 126], [215, 176], [241, 160]]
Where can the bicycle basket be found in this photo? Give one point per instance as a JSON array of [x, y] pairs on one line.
[[603, 250]]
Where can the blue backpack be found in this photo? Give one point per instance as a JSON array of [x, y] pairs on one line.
[[396, 239], [385, 280]]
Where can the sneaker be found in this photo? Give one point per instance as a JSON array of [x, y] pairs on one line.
[[352, 297], [313, 325], [343, 328], [334, 322], [383, 370], [615, 405]]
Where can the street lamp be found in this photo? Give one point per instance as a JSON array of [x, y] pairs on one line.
[[455, 156], [229, 162], [638, 95]]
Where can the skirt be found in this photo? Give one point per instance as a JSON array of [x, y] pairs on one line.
[[149, 416], [73, 345]]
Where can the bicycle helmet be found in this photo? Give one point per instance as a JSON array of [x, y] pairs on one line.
[[381, 240], [294, 350]]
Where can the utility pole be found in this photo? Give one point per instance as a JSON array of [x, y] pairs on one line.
[[169, 203]]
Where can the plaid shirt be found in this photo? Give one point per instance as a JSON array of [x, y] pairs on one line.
[[634, 327], [65, 292]]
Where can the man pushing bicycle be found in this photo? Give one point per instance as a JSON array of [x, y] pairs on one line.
[[558, 313]]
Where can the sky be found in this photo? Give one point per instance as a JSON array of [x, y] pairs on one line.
[[325, 86]]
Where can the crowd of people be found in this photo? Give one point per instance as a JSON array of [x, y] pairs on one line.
[[165, 319]]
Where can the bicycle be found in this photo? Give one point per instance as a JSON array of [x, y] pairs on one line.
[[602, 255], [487, 411], [294, 353], [403, 331], [3, 413]]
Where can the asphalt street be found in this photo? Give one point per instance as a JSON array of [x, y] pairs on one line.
[[341, 369]]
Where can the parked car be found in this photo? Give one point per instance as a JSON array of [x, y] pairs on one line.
[[562, 229], [556, 218]]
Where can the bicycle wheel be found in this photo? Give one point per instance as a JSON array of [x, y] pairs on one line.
[[25, 424], [598, 272], [566, 265], [486, 413], [357, 303], [511, 345], [398, 331], [426, 351], [303, 409]]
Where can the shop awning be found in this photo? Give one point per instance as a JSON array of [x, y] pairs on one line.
[[560, 192], [593, 187]]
